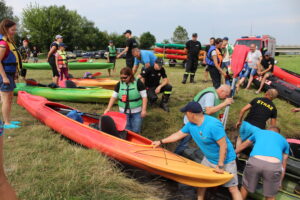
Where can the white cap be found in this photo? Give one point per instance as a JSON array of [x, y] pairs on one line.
[[58, 37]]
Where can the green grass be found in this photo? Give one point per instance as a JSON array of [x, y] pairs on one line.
[[290, 62], [42, 165]]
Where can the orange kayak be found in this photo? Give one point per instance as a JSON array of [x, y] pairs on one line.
[[135, 150], [99, 82]]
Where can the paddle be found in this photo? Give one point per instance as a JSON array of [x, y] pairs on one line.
[[96, 74], [120, 119], [34, 83]]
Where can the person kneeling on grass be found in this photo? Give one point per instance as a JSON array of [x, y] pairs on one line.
[[62, 62], [209, 135], [151, 78], [268, 160], [132, 99]]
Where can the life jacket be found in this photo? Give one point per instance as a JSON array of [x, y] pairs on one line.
[[112, 51], [62, 57], [11, 62], [205, 91], [129, 96], [219, 57], [208, 59]]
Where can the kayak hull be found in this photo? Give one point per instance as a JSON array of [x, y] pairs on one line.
[[174, 46], [284, 75], [72, 66], [99, 82], [67, 94], [170, 51], [285, 90], [136, 150]]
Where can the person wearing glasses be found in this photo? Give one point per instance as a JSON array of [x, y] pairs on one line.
[[132, 99], [266, 70]]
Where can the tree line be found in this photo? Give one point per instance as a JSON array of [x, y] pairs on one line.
[[40, 24]]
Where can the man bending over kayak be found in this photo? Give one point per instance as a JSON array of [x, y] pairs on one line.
[[209, 135], [147, 58], [268, 160]]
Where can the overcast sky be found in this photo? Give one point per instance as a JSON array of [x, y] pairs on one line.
[[219, 18]]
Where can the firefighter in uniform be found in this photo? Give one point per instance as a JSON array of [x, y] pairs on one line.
[[151, 77], [193, 48]]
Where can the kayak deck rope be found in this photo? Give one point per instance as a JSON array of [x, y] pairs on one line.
[[180, 159]]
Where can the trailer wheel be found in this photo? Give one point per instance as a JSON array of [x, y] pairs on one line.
[[172, 63]]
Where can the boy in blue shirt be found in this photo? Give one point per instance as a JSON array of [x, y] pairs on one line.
[[209, 135], [147, 58], [267, 160]]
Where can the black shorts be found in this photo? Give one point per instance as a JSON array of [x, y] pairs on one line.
[[53, 66], [130, 62]]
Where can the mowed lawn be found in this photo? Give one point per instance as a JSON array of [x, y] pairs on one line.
[[42, 165]]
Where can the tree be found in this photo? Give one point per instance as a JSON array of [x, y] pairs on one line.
[[166, 41], [119, 40], [41, 24], [147, 40], [180, 35], [6, 12]]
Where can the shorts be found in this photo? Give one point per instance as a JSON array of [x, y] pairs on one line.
[[53, 66], [229, 167], [269, 172], [246, 71], [8, 87], [35, 59], [225, 65]]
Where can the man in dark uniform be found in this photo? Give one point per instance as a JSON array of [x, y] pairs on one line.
[[151, 77], [25, 54], [193, 48], [130, 44]]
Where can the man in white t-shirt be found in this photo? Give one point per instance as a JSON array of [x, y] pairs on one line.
[[253, 60]]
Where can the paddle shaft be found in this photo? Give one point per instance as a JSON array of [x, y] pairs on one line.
[[226, 112]]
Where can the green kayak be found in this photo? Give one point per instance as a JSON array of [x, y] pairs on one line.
[[175, 46], [72, 66], [67, 94]]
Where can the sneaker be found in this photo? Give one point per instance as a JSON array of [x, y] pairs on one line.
[[15, 122], [11, 126]]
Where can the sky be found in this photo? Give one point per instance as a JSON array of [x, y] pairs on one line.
[[218, 18]]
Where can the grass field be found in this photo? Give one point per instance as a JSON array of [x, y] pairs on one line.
[[41, 165]]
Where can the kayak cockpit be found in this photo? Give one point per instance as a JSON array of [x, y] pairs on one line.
[[107, 125]]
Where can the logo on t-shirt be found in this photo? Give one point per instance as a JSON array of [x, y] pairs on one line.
[[265, 104]]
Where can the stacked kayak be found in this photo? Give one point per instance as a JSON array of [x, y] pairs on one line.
[[72, 66], [170, 51], [67, 94], [173, 46], [171, 56], [134, 149]]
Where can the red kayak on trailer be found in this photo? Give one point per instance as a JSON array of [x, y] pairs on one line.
[[176, 57], [290, 77], [170, 51]]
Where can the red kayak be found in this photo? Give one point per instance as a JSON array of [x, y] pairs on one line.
[[286, 76], [170, 51], [176, 57], [127, 147], [238, 58]]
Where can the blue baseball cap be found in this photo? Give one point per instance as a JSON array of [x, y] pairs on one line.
[[193, 107], [268, 53], [62, 45], [225, 38]]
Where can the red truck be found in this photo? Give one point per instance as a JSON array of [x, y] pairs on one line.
[[264, 43]]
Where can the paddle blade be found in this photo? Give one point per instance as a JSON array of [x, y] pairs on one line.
[[96, 74], [31, 82], [119, 119]]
